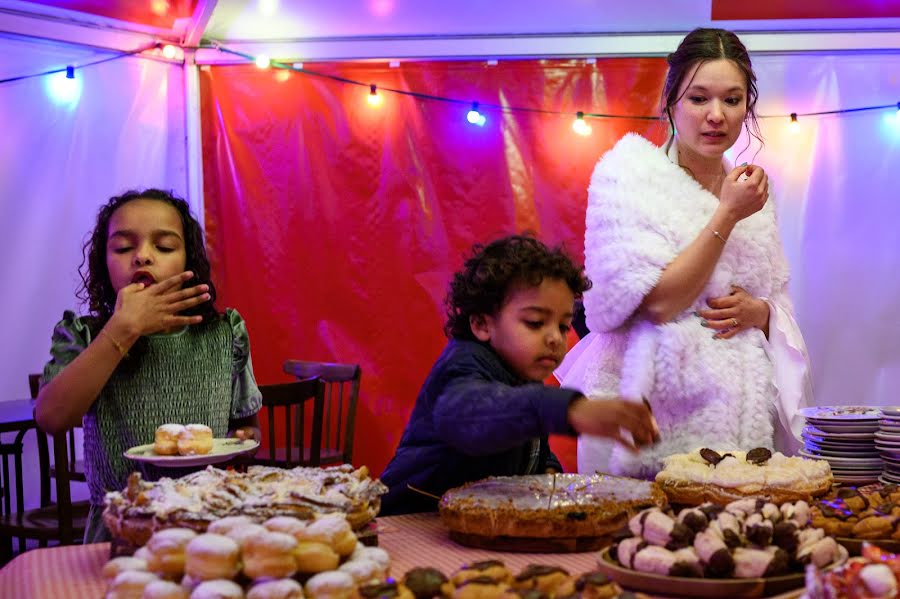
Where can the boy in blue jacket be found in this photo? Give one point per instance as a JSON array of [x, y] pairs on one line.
[[484, 410]]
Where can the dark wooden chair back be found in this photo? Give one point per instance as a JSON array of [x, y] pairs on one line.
[[298, 406], [341, 399], [75, 466]]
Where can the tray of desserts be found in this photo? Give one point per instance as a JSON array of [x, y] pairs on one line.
[[748, 548]]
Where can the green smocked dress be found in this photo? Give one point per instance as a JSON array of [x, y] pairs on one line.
[[200, 374]]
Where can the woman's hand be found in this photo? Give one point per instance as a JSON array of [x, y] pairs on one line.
[[733, 313], [742, 196], [609, 417], [144, 310]]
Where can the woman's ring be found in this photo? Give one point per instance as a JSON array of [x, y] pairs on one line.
[[734, 322]]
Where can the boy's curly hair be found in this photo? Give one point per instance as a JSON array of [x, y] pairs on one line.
[[96, 290], [483, 284]]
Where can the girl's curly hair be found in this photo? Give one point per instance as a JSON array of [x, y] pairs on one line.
[[483, 284], [96, 290]]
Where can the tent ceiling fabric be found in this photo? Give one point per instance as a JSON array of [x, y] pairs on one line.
[[285, 20]]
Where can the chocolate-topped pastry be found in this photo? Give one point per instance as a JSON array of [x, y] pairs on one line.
[[480, 587], [525, 594], [546, 579], [383, 590], [596, 585], [494, 569], [426, 583]]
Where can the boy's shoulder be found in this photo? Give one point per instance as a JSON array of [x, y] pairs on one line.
[[462, 356]]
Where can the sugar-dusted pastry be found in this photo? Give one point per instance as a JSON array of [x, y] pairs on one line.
[[330, 585], [210, 556], [289, 525], [224, 525], [705, 475], [195, 439], [241, 532], [314, 557], [493, 569], [167, 551], [596, 585], [113, 567], [426, 583], [363, 570], [333, 530], [130, 584], [269, 555], [165, 589], [284, 588], [375, 554], [218, 589], [165, 440]]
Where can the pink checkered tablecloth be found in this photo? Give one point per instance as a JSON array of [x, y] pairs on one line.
[[73, 572]]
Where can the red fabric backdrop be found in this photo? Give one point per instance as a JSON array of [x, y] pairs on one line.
[[334, 227]]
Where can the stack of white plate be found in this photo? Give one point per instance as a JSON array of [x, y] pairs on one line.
[[846, 437], [887, 440]]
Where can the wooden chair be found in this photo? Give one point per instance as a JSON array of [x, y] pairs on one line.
[[76, 466], [341, 398], [292, 401], [61, 521]]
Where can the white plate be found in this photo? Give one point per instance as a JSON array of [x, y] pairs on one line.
[[852, 480], [814, 433], [889, 426], [222, 451], [848, 426], [891, 411], [865, 446], [842, 460], [827, 452], [841, 413]]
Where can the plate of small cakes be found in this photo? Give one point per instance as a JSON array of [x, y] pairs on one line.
[[178, 446], [747, 548]]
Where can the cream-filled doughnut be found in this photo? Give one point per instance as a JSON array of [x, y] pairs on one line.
[[210, 556], [129, 584], [377, 555], [333, 530], [287, 524], [269, 555], [242, 531], [223, 525], [285, 588], [167, 551], [195, 439], [165, 589], [165, 441], [313, 557], [363, 570], [113, 567], [330, 585], [218, 589]]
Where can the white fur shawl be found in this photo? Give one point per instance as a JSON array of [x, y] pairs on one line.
[[643, 210]]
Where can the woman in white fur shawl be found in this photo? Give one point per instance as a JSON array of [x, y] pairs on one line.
[[689, 307]]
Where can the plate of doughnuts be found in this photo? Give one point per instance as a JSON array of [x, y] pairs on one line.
[[177, 446]]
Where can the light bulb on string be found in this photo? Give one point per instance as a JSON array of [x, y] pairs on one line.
[[64, 88], [795, 125], [262, 61], [475, 117], [580, 126], [374, 98], [169, 51]]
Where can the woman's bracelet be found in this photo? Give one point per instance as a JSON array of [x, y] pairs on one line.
[[115, 343], [719, 235]]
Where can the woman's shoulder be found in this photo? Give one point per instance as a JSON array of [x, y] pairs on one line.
[[633, 153]]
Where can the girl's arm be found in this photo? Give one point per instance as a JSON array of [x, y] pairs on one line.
[[63, 401]]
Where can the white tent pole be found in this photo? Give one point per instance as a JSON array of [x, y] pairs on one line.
[[193, 145]]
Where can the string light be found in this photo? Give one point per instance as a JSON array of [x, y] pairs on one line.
[[169, 51], [898, 113], [70, 72], [262, 61], [794, 124], [374, 98], [579, 125], [475, 117]]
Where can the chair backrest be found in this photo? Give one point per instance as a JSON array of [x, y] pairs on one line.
[[341, 399], [294, 400], [34, 385]]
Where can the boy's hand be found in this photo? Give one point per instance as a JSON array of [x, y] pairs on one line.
[[244, 433], [608, 417]]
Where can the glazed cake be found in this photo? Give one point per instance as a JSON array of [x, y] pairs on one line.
[[263, 492], [547, 505], [705, 475]]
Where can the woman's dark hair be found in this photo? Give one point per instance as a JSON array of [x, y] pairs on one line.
[[484, 283], [700, 46], [96, 289]]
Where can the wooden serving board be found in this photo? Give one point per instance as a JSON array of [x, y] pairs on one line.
[[533, 544]]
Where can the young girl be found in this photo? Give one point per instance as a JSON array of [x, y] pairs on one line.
[[484, 410], [153, 350]]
